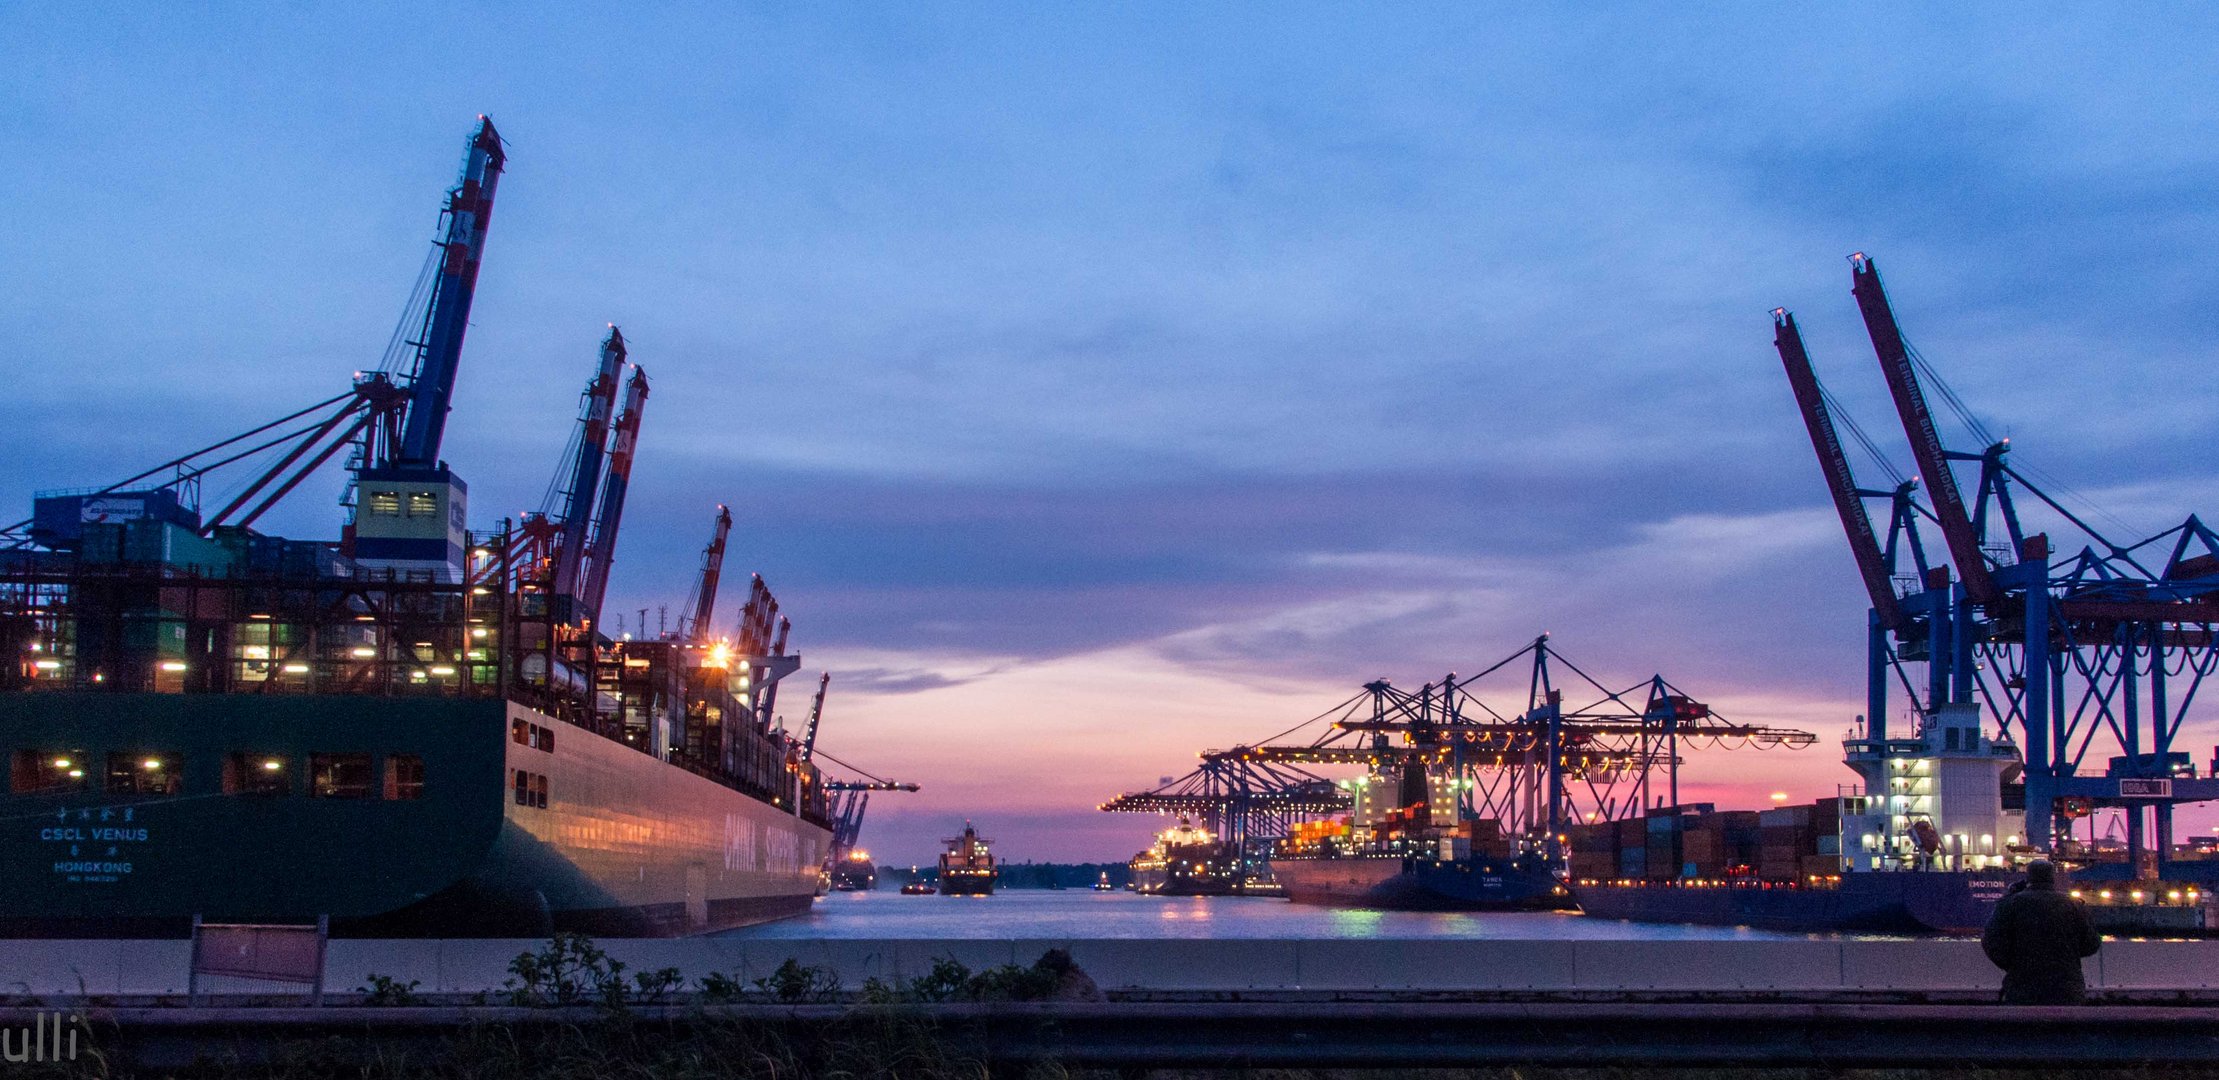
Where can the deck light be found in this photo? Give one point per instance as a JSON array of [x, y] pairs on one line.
[[364, 652], [272, 765], [173, 665], [296, 669], [151, 763], [47, 665], [61, 763]]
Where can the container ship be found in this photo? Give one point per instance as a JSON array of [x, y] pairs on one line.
[[415, 728], [2068, 649], [1406, 846], [1927, 843], [1186, 860], [967, 867], [854, 873]]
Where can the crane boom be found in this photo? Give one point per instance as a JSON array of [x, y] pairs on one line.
[[601, 550], [447, 317], [585, 473], [712, 567], [768, 707], [816, 713], [1918, 427], [1864, 544]]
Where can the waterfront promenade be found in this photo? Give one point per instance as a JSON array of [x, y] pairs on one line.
[[1898, 970]]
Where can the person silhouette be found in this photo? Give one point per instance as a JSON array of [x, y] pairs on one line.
[[2038, 937]]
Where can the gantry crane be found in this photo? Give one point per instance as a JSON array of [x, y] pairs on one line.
[[1518, 755], [2057, 649], [704, 607], [848, 799], [816, 713], [600, 552], [391, 419], [447, 318], [585, 480]]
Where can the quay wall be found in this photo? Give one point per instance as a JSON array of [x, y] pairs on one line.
[[1231, 965]]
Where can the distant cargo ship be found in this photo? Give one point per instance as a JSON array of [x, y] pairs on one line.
[[967, 867], [1928, 845], [412, 729], [1405, 848], [1185, 860], [854, 873]]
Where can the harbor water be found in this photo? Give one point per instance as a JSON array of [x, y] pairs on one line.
[[1083, 913]]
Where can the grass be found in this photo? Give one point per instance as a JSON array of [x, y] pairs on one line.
[[869, 1045]]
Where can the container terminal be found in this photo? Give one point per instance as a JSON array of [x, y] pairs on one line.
[[417, 727], [1457, 805], [2047, 672]]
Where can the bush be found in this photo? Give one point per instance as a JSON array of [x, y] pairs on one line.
[[949, 980], [386, 990], [655, 987], [569, 970], [719, 988], [795, 983]]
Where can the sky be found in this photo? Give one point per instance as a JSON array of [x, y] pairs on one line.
[[1098, 384]]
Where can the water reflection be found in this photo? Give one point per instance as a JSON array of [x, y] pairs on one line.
[[1030, 913]]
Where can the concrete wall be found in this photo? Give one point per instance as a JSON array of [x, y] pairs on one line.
[[158, 967]]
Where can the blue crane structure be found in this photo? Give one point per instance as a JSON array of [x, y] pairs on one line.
[[391, 419], [704, 606], [585, 478], [2068, 652], [410, 510], [1518, 750], [1245, 799], [431, 390], [847, 799], [600, 550]]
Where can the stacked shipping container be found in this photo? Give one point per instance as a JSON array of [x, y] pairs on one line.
[[1697, 841]]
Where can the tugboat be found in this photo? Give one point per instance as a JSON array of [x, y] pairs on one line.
[[916, 885], [967, 867], [1187, 861], [1104, 884]]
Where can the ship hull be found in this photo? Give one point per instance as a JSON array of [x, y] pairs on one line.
[[1415, 884], [854, 877], [1892, 902], [967, 885], [603, 840]]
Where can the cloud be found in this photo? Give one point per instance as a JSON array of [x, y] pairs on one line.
[[1118, 372], [899, 680]]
